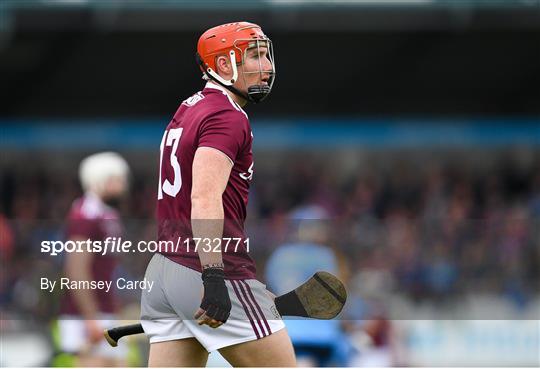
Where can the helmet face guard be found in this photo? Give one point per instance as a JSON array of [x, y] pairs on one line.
[[257, 93], [235, 40]]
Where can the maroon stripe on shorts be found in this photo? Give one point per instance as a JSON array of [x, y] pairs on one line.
[[253, 309], [245, 309], [258, 307]]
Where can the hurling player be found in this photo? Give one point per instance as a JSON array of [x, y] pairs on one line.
[[208, 298], [84, 313]]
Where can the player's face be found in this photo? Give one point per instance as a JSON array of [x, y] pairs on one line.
[[115, 188], [256, 69]]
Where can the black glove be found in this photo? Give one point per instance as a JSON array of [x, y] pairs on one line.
[[216, 301]]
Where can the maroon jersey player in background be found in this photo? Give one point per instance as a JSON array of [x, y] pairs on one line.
[[84, 313], [206, 166]]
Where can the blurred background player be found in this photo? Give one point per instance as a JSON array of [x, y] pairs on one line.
[[316, 342], [85, 313], [206, 167]]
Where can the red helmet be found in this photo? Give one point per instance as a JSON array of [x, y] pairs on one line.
[[233, 39]]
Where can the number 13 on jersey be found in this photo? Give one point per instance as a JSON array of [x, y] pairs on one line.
[[171, 137]]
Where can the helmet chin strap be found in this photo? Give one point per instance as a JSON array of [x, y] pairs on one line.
[[255, 94], [258, 93]]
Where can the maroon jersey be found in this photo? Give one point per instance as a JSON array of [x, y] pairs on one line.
[[210, 118], [90, 218], [379, 331]]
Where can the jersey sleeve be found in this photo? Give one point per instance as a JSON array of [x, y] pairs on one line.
[[225, 131]]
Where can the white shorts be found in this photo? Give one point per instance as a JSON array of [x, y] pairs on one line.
[[167, 310], [73, 338]]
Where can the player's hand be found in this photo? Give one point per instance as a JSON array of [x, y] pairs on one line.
[[94, 331], [216, 305]]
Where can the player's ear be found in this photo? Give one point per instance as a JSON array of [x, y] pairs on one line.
[[223, 65]]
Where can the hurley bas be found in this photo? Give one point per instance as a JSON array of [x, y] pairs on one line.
[[120, 283]]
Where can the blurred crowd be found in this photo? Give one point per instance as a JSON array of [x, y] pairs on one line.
[[431, 231], [426, 230]]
